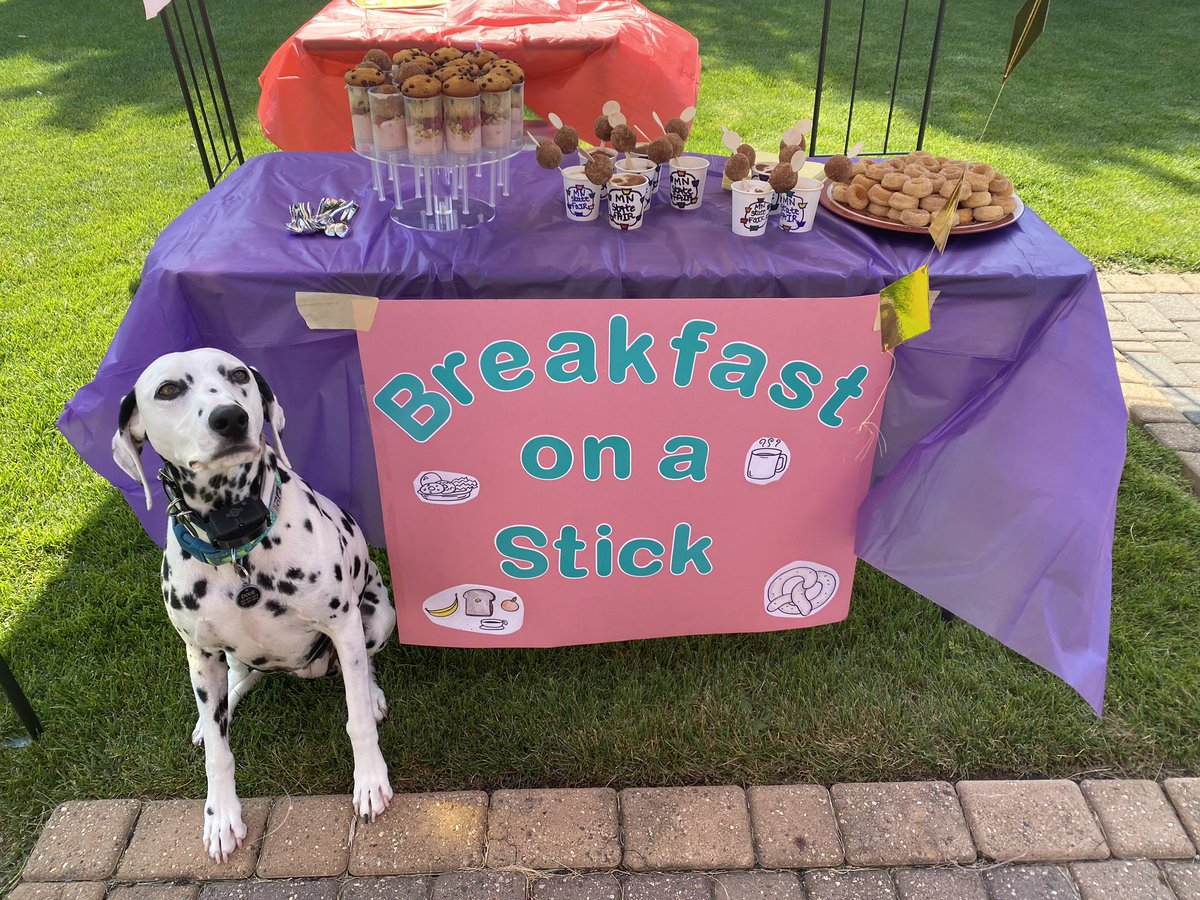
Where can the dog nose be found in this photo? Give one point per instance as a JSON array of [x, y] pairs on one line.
[[229, 421]]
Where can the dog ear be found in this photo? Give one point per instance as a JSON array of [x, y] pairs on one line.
[[127, 443], [273, 413]]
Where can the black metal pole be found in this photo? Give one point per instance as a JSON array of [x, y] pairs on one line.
[[16, 696], [896, 78], [212, 47], [187, 98], [933, 55], [862, 22], [812, 144]]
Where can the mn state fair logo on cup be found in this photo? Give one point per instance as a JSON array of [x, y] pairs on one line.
[[687, 181], [751, 207], [627, 200], [581, 195], [799, 206]]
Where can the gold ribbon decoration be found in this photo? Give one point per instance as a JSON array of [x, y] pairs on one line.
[[1027, 28]]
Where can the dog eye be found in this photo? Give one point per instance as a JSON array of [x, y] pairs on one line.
[[168, 390], [239, 376]]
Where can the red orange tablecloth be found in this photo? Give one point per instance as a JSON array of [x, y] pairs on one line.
[[576, 54]]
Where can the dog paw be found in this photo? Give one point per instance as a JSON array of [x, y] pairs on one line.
[[224, 829], [379, 707], [372, 793], [198, 734]]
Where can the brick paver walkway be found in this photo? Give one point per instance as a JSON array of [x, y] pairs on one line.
[[976, 840], [1155, 325]]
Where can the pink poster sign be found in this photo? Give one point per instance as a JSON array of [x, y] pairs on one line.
[[572, 472]]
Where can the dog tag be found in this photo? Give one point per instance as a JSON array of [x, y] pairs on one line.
[[248, 596]]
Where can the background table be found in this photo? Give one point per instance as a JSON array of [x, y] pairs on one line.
[[576, 55], [1003, 430]]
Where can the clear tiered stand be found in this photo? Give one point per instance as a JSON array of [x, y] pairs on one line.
[[446, 191]]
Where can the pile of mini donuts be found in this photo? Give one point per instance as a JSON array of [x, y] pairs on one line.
[[911, 189]]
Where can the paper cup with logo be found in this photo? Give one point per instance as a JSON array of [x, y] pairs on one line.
[[762, 171], [628, 199], [686, 181], [388, 131], [582, 197], [798, 207], [751, 207], [640, 165]]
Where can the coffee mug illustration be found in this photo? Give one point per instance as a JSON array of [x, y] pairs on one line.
[[799, 589], [767, 460]]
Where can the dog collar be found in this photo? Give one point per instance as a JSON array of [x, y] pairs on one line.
[[193, 538]]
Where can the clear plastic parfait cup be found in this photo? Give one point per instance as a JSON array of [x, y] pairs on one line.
[[517, 115], [387, 118], [496, 115], [462, 124], [360, 115], [423, 117]]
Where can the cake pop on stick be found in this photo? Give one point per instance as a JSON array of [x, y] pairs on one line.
[[549, 155], [624, 138], [747, 151], [567, 139], [783, 178], [838, 168], [598, 169], [676, 143], [737, 167]]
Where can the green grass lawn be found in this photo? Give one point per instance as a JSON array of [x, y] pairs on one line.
[[1098, 129]]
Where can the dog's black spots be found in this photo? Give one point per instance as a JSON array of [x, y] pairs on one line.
[[347, 524], [370, 643], [189, 601], [205, 654], [308, 525], [222, 371], [335, 603], [200, 588], [224, 726], [212, 390], [312, 577], [229, 649], [370, 598], [189, 379], [260, 660], [222, 709], [337, 571], [244, 394], [217, 481], [264, 580], [275, 607], [357, 568], [199, 414], [208, 810], [202, 695], [345, 606], [184, 554], [284, 476], [173, 599], [295, 574], [286, 587], [312, 499], [366, 611], [341, 542], [128, 406], [166, 569], [189, 489]]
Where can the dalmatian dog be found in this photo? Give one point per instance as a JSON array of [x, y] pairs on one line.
[[303, 597]]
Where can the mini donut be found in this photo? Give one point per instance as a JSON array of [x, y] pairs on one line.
[[933, 202], [952, 171], [1008, 204], [976, 200], [838, 192], [859, 168], [879, 194], [897, 163], [894, 214], [894, 181], [876, 172], [978, 181], [879, 209], [856, 197], [918, 218], [938, 180], [984, 169], [912, 170], [1000, 186], [902, 201], [921, 154], [866, 182], [965, 216], [918, 187], [947, 189], [988, 213]]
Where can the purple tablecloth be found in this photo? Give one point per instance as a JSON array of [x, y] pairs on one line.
[[1004, 425]]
